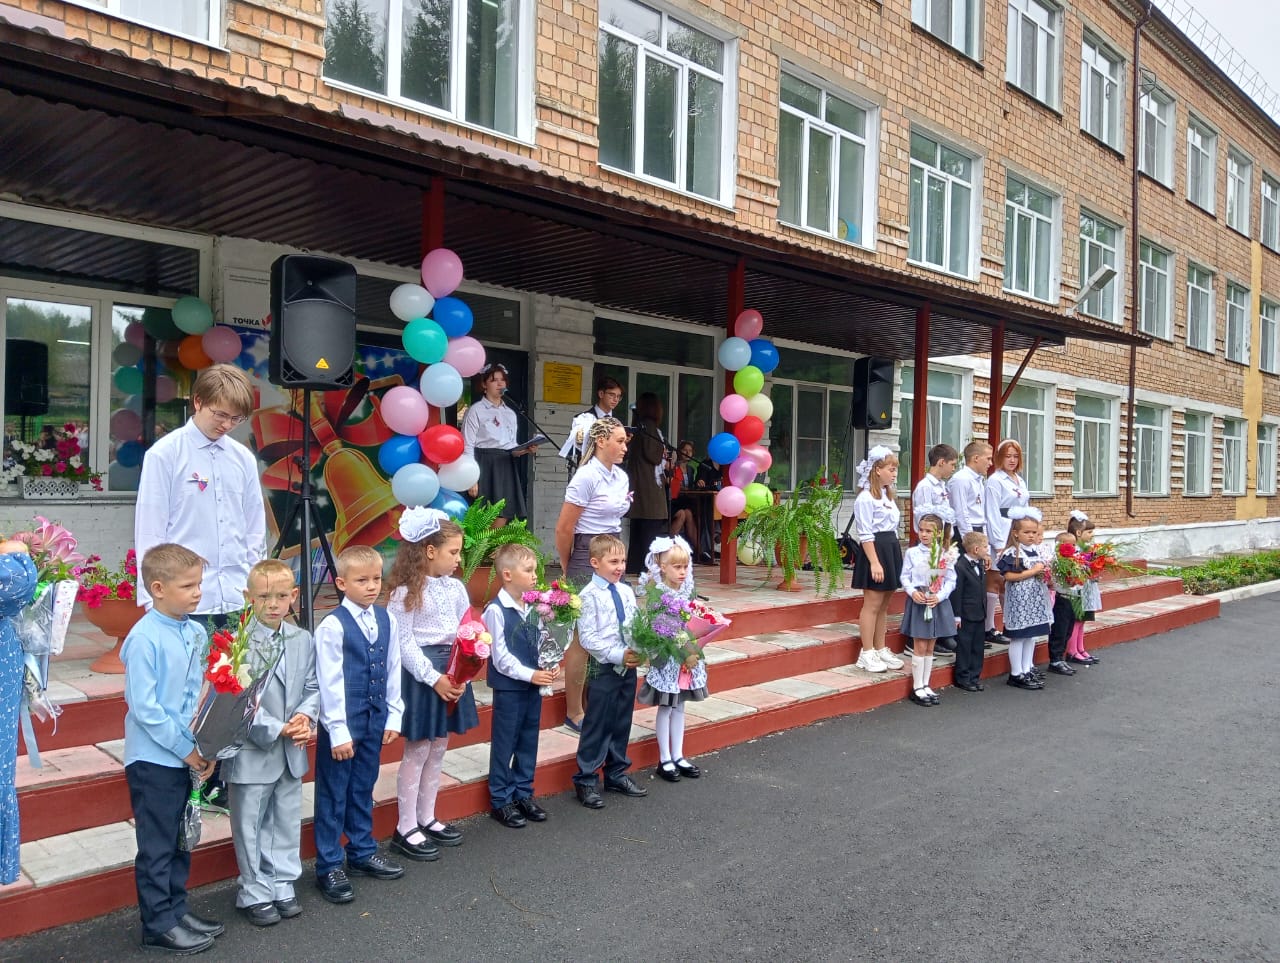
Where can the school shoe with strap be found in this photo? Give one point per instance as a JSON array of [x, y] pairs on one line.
[[868, 661], [889, 659]]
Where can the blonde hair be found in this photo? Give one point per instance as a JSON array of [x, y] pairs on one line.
[[600, 429], [509, 556], [165, 562], [674, 555], [224, 384], [1016, 526], [974, 449], [602, 545], [972, 541], [873, 483], [355, 555], [269, 567]]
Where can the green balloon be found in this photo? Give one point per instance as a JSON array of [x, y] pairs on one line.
[[758, 496], [748, 381], [425, 340], [158, 322], [192, 316], [128, 380]]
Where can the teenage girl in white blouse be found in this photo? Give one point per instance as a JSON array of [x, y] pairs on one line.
[[877, 566], [489, 431], [1005, 490]]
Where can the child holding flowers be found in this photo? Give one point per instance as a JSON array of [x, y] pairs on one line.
[[1027, 610], [1097, 559], [928, 578], [672, 681]]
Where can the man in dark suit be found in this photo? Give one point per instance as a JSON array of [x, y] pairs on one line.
[[969, 603]]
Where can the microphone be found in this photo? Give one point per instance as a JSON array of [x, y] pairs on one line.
[[504, 390]]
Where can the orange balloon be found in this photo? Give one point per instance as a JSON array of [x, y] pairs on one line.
[[191, 353]]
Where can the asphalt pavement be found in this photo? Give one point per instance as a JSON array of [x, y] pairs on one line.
[[1126, 813]]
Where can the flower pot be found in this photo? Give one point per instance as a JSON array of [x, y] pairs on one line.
[[792, 585], [479, 587], [39, 487], [114, 618]]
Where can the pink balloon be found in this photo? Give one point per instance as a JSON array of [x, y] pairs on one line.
[[742, 472], [748, 324], [136, 334], [166, 389], [441, 272], [733, 408], [405, 411], [758, 454], [730, 501], [221, 343], [466, 354], [126, 425]]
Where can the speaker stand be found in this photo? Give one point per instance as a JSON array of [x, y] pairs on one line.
[[304, 506]]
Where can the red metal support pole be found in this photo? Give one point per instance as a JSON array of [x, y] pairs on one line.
[[919, 402], [737, 302], [432, 238], [996, 390]]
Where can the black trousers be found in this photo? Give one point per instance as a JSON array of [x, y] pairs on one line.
[[513, 748], [606, 728], [1064, 620], [969, 645], [159, 797]]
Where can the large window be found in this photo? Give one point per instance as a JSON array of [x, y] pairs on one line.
[[1094, 470], [1234, 438], [1197, 458], [944, 413], [1200, 333], [1270, 212], [1151, 438], [1034, 49], [942, 181], [1099, 246], [1100, 91], [1238, 327], [811, 423], [1239, 190], [1028, 239], [823, 158], [1265, 482], [957, 22], [192, 18], [462, 57], [1154, 298], [1269, 319], [1155, 157], [1202, 147], [664, 102], [1024, 418]]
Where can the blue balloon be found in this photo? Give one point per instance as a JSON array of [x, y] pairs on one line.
[[415, 484], [451, 503], [723, 448], [454, 316], [764, 355], [397, 452], [129, 455]]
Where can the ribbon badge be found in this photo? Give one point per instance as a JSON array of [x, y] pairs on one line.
[[203, 483]]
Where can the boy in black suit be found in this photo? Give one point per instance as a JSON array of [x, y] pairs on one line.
[[969, 603]]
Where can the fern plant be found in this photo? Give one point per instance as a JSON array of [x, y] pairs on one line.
[[808, 512], [480, 539]]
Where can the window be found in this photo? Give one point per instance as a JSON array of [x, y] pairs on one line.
[[1271, 212], [1153, 318], [462, 57], [1239, 187], [945, 414], [823, 156], [1197, 453], [1028, 239], [1200, 332], [811, 423], [1155, 156], [1094, 470], [1202, 146], [941, 206], [1238, 327], [1234, 436], [1269, 319], [1151, 438], [1032, 64], [1265, 482], [956, 22], [1099, 246], [200, 19], [1023, 419], [1100, 99], [663, 110]]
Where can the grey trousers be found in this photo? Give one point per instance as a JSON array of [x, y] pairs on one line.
[[266, 827]]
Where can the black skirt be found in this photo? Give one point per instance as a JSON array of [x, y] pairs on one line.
[[426, 715], [500, 478], [889, 552]]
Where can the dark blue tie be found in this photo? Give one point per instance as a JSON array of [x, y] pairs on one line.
[[617, 602]]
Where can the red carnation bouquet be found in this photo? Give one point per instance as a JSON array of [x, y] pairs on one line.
[[469, 653], [1069, 573], [237, 668]]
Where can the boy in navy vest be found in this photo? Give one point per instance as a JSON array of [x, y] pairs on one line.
[[514, 677], [358, 668]]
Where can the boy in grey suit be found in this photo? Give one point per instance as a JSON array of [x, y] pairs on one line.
[[265, 777]]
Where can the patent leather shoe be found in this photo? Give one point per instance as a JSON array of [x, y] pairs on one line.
[[423, 852], [669, 772], [377, 866], [532, 811], [687, 769], [202, 926], [509, 815], [178, 941], [999, 638], [625, 785], [589, 796], [442, 834], [1061, 668], [969, 686]]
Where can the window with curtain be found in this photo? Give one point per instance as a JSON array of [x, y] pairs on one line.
[[1099, 246], [1101, 91], [1025, 418], [1234, 436], [1094, 471], [1197, 458], [1202, 147], [941, 215], [1151, 438], [1154, 294], [1238, 326], [1200, 333], [944, 413], [1034, 49], [1239, 190], [1029, 230], [1155, 154], [954, 22]]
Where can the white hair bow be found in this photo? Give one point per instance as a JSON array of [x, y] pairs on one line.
[[418, 523], [877, 454], [1025, 511], [1078, 515], [653, 570], [943, 512]]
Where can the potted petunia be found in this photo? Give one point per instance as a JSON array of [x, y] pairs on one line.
[[55, 466], [110, 597]]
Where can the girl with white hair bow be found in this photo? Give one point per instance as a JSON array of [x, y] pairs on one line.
[[1028, 611], [877, 562]]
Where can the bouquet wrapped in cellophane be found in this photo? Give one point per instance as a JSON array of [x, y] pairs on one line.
[[469, 653], [659, 630], [237, 668], [557, 607]]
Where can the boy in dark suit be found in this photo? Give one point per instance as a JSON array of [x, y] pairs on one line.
[[969, 603]]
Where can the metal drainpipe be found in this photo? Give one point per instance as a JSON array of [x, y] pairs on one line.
[[1135, 271]]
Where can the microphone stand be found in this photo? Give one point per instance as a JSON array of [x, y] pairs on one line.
[[515, 405]]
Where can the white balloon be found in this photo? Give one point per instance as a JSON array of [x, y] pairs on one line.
[[734, 354], [409, 301], [441, 385], [760, 406], [460, 474]]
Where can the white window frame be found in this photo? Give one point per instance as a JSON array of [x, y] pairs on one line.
[[1101, 446], [1199, 295], [1090, 259], [1269, 330], [1265, 463], [1235, 435], [1020, 213], [1155, 290], [1155, 135], [1239, 190], [1100, 64], [935, 405], [1239, 331], [1202, 164], [1044, 22], [1269, 201], [1016, 421], [951, 182], [1151, 464], [1202, 437], [213, 38], [963, 26]]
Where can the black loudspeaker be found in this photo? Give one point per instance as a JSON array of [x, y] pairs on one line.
[[26, 377], [313, 323], [872, 393]]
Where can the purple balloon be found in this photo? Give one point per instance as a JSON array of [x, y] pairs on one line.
[[733, 408], [136, 334], [166, 389], [466, 355], [743, 471], [221, 344], [126, 425], [730, 501], [441, 272], [405, 412]]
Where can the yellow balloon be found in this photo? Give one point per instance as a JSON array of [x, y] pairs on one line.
[[748, 555], [760, 406]]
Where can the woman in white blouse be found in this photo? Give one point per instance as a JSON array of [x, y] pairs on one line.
[[877, 564], [1005, 490], [489, 432]]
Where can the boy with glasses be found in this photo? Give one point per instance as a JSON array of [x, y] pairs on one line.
[[608, 397]]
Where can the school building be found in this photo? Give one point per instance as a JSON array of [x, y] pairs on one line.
[[1072, 202]]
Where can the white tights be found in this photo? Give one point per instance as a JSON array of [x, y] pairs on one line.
[[418, 783], [670, 725], [1021, 656]]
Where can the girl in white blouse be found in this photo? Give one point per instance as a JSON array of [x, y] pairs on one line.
[[489, 432], [877, 565], [1005, 490]]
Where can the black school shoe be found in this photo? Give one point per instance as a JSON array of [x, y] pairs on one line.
[[1061, 668], [261, 914], [178, 941], [288, 908], [446, 835], [335, 887], [589, 796], [377, 866], [423, 852], [687, 769], [625, 785], [532, 811]]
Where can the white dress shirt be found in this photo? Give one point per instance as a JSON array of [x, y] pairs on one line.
[[206, 496], [872, 515], [333, 693], [598, 628], [965, 489], [486, 425], [1003, 492], [499, 654], [434, 622], [577, 439], [930, 492], [916, 574], [603, 494]]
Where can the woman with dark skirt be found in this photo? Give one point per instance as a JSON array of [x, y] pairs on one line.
[[646, 467], [489, 430], [877, 563]]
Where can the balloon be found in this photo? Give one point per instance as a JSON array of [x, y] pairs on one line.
[[733, 408], [764, 355], [441, 385], [730, 501], [191, 353], [167, 353], [760, 406], [128, 381], [442, 272], [126, 425], [748, 554], [758, 496], [748, 381], [397, 452], [221, 343], [460, 474], [760, 455], [125, 354], [415, 484], [723, 448], [192, 315], [749, 430], [466, 355], [442, 444], [166, 389], [748, 324], [742, 472], [158, 323], [123, 478], [454, 316], [136, 334], [451, 503], [425, 340], [133, 403], [405, 412], [130, 454], [410, 301], [734, 353]]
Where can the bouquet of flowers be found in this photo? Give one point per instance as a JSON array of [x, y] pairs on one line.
[[42, 624], [99, 583], [558, 607], [1100, 557], [659, 630], [469, 652], [236, 670], [59, 455], [1069, 572], [705, 623], [941, 558]]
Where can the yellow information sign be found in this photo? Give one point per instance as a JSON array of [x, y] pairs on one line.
[[562, 383]]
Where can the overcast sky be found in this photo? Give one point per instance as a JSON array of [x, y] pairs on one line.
[[1252, 27]]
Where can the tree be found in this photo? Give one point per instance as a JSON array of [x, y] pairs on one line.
[[355, 46], [424, 76]]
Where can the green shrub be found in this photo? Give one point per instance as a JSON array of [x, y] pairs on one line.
[[1230, 571]]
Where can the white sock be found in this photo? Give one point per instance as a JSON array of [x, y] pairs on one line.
[[677, 732], [917, 672], [1028, 654], [663, 727], [993, 600], [928, 671]]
